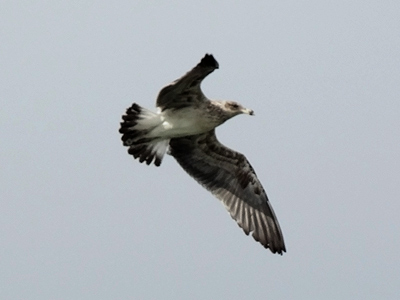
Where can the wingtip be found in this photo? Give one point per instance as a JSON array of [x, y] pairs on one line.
[[280, 251], [209, 61]]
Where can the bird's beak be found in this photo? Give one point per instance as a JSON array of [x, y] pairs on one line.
[[249, 112]]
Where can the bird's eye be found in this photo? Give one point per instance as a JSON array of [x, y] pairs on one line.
[[234, 106]]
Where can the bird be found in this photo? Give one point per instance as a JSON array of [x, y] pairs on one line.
[[184, 127]]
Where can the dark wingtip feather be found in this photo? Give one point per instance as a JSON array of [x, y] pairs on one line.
[[209, 61]]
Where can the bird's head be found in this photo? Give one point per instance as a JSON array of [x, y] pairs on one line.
[[236, 108]]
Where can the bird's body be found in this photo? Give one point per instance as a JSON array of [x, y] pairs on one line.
[[186, 122]]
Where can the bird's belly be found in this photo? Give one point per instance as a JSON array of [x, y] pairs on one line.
[[179, 125]]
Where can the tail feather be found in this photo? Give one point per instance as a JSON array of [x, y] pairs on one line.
[[136, 125]]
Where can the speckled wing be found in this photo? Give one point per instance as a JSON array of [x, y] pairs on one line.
[[186, 91], [230, 177]]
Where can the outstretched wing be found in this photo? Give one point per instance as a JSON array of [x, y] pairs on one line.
[[186, 91], [230, 177]]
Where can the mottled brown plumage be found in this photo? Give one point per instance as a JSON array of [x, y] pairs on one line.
[[186, 122]]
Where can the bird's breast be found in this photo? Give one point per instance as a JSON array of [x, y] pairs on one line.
[[183, 122]]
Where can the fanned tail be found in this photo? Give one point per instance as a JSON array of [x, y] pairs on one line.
[[137, 123]]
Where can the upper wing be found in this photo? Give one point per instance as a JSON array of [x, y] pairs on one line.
[[230, 177], [186, 90]]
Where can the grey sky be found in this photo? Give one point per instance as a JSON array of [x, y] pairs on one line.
[[80, 219]]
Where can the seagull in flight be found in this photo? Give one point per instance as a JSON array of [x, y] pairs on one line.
[[184, 124]]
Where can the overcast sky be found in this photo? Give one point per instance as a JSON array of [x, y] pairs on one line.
[[81, 219]]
